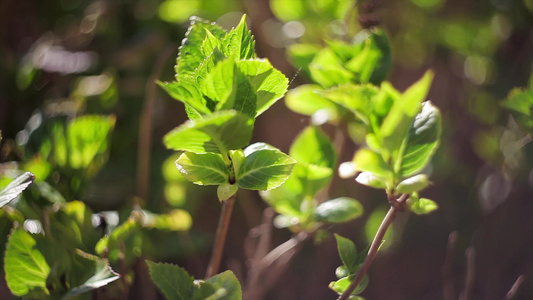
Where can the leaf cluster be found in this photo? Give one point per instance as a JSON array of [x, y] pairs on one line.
[[176, 284], [224, 88]]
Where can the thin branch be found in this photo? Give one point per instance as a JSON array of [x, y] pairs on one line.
[[220, 239], [448, 286], [145, 126], [470, 254], [514, 289], [372, 252]]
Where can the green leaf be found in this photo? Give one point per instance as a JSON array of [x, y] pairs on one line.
[[304, 182], [422, 140], [102, 275], [400, 118], [327, 70], [371, 180], [269, 84], [15, 188], [338, 210], [301, 55], [226, 190], [312, 146], [306, 100], [203, 168], [356, 98], [342, 284], [519, 103], [264, 167], [413, 184], [288, 10], [347, 253], [125, 242], [329, 75], [220, 82], [191, 51], [374, 59], [218, 133], [421, 206], [25, 266], [227, 282], [367, 160], [243, 97], [239, 42], [87, 137], [173, 281], [186, 92]]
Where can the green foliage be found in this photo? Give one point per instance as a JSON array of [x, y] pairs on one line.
[[421, 206], [25, 266], [519, 103], [218, 70], [338, 210], [263, 167], [351, 261], [216, 133], [176, 284]]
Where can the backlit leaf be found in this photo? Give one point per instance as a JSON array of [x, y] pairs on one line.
[[173, 281], [264, 167], [269, 83], [191, 54], [218, 133], [422, 140], [520, 104], [25, 266], [338, 210], [239, 42], [306, 100], [203, 168], [347, 253]]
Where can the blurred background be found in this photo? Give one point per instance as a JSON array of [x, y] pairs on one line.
[[66, 58]]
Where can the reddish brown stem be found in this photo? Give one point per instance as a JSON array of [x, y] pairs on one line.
[[220, 238], [373, 251]]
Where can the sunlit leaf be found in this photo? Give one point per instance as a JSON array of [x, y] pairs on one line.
[[347, 253], [400, 118], [342, 284], [25, 266], [203, 168], [242, 96], [191, 55], [227, 286], [264, 167], [218, 133], [15, 188], [421, 206], [312, 146], [173, 281], [413, 184], [356, 98], [187, 93], [422, 140], [520, 105], [239, 42], [366, 160], [305, 99], [269, 83], [338, 210], [374, 59], [100, 274], [371, 180]]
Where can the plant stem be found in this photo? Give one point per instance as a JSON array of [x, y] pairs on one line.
[[373, 251], [145, 125], [220, 239]]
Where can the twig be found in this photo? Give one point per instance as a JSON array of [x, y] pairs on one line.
[[145, 126], [470, 254], [220, 239], [396, 206], [448, 286], [514, 289]]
